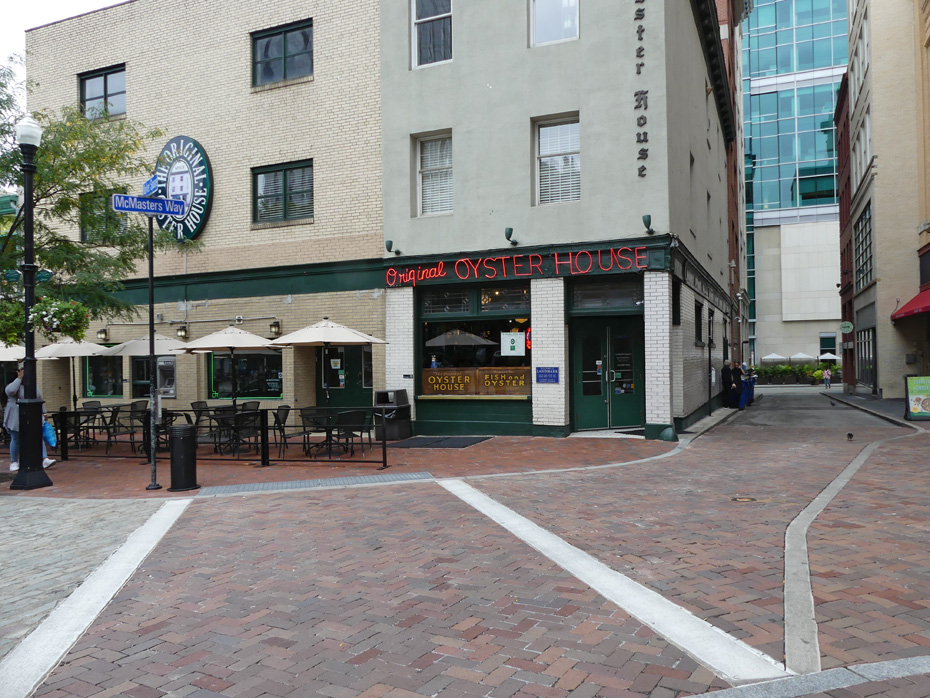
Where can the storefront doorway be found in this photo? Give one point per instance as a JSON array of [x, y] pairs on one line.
[[608, 376], [345, 376]]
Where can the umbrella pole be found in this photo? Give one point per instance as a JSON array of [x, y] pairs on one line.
[[232, 361], [73, 386]]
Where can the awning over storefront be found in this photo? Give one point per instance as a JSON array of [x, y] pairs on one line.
[[918, 304]]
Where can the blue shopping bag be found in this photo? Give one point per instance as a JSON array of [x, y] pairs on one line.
[[48, 433]]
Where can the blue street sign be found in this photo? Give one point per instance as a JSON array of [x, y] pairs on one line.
[[150, 186], [547, 374], [151, 207]]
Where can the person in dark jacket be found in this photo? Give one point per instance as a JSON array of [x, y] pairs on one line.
[[726, 380], [738, 374], [15, 393]]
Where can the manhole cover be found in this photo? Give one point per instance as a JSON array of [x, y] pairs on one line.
[[743, 499]]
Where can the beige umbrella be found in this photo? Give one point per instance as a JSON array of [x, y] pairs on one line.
[[227, 339], [140, 347], [326, 332], [14, 353], [67, 348], [459, 338]]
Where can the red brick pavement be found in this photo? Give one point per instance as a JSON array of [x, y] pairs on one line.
[[671, 524], [396, 592], [870, 564], [90, 477]]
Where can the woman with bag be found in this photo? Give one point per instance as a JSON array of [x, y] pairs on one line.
[[15, 393]]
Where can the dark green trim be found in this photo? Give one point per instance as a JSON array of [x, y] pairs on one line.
[[257, 283], [489, 266], [705, 410], [465, 428], [661, 432]]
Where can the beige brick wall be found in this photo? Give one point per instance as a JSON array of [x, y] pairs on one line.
[[188, 71]]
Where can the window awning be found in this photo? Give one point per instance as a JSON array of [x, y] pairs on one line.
[[918, 304]]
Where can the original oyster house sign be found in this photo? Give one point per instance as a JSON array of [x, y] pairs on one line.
[[183, 171]]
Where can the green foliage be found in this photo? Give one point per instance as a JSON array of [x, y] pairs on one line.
[[818, 374], [79, 163], [53, 317]]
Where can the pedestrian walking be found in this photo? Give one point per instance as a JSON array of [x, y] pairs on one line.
[[827, 375], [14, 393], [737, 384]]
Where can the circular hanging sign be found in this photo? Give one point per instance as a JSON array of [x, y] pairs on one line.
[[184, 172], [846, 327]]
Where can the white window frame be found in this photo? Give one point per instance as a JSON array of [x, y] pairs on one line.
[[538, 126], [534, 42], [414, 34], [421, 171]]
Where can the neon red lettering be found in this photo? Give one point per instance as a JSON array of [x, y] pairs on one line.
[[557, 263], [391, 277], [473, 266], [516, 267], [578, 262], [641, 255], [601, 264], [486, 263], [504, 265], [457, 272], [536, 263], [620, 256]]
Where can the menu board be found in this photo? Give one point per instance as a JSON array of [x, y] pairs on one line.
[[918, 398]]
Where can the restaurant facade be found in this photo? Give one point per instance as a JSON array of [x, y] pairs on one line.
[[535, 218]]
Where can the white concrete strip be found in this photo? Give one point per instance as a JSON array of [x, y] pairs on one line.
[[726, 656], [802, 646], [23, 669]]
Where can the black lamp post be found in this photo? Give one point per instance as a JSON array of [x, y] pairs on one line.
[[31, 474]]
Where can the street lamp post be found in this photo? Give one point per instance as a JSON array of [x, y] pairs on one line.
[[31, 474]]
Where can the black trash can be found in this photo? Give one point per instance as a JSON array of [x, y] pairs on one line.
[[396, 408], [183, 447]]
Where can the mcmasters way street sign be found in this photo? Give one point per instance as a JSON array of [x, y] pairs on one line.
[[151, 207]]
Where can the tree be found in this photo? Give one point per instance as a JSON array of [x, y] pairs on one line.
[[80, 163]]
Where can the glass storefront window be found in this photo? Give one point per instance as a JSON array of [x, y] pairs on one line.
[[616, 294], [140, 376], [505, 298], [103, 376], [258, 375], [440, 301], [477, 357]]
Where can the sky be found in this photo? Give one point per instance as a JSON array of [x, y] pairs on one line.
[[20, 15]]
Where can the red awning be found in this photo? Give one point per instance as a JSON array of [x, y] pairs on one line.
[[918, 304]]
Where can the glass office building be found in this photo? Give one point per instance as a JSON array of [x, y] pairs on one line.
[[794, 56]]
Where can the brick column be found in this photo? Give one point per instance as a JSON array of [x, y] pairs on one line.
[[550, 348], [399, 333], [657, 297]]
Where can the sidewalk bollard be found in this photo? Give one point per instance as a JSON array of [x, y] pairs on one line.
[[183, 447]]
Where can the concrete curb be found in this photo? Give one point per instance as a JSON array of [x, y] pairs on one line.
[[843, 400]]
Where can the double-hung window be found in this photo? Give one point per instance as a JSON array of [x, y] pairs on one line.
[[282, 192], [432, 25], [554, 20], [283, 53], [98, 221], [103, 92], [435, 175], [558, 162]]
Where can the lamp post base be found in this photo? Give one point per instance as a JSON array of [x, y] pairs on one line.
[[30, 480]]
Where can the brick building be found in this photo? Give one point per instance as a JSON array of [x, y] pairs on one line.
[[534, 211]]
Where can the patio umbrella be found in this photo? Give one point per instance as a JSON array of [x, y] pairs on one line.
[[140, 346], [773, 357], [801, 356], [326, 332], [67, 348], [459, 338], [14, 353], [228, 339], [829, 356]]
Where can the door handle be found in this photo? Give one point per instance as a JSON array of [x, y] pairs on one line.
[[613, 375]]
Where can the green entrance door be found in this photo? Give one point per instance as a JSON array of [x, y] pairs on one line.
[[344, 376], [608, 387]]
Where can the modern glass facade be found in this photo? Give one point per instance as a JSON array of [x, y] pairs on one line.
[[794, 56]]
